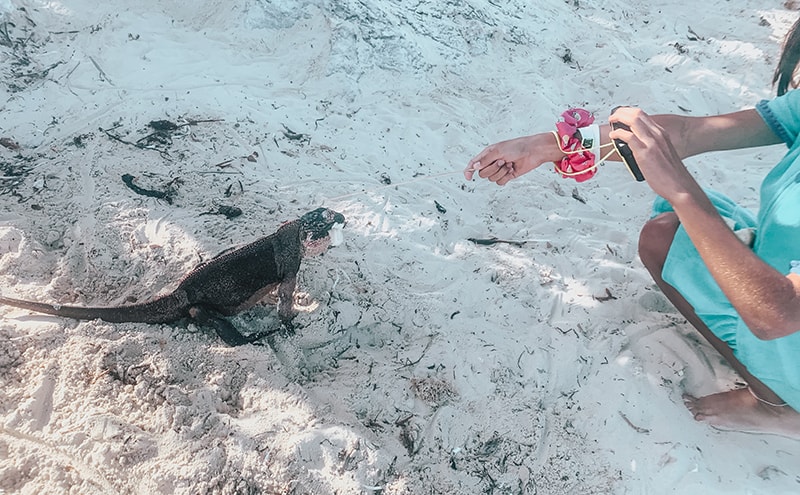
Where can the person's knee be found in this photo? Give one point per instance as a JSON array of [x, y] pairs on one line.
[[656, 237]]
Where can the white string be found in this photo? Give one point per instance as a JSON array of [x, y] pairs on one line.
[[453, 172], [572, 152], [418, 179]]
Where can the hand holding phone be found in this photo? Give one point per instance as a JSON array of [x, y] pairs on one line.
[[625, 152]]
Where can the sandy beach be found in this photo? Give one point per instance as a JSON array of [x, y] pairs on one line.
[[427, 363]]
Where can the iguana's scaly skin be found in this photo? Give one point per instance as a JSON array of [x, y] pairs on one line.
[[225, 285]]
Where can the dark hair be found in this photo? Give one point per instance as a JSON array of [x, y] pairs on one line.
[[790, 57]]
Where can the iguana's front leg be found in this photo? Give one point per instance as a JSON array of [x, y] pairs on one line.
[[227, 332], [286, 310]]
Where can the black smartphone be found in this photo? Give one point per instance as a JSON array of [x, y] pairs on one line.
[[625, 152]]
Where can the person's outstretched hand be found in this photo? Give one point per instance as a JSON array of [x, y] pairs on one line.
[[507, 160]]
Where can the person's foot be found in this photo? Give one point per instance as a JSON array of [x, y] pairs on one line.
[[739, 410]]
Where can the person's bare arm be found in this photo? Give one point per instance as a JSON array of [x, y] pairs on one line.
[[507, 160], [692, 136], [767, 301]]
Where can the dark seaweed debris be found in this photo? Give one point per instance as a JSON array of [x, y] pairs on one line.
[[230, 212], [165, 195], [495, 240]]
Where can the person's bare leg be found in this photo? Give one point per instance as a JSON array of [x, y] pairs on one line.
[[753, 409]]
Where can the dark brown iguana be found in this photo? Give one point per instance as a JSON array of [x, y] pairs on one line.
[[226, 285]]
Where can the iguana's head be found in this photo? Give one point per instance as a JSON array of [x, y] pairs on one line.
[[315, 229]]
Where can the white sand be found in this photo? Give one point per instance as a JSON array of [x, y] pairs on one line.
[[431, 365]]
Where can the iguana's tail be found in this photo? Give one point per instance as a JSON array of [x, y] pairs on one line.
[[161, 310]]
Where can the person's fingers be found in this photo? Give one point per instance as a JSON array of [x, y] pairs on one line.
[[488, 170], [620, 133], [487, 156], [504, 174], [472, 167], [495, 161], [641, 128], [638, 121], [507, 178], [626, 115], [644, 135], [478, 167], [498, 173]]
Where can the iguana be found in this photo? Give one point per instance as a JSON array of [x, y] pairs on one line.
[[228, 284]]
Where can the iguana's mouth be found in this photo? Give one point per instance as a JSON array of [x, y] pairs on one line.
[[334, 237], [335, 234]]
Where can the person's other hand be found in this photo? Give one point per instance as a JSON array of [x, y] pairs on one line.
[[657, 158]]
